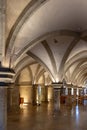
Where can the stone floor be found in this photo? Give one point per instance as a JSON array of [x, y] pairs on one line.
[[44, 117]]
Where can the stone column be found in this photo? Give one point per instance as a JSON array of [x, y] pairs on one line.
[[56, 99], [3, 108], [69, 91], [57, 91], [34, 94], [9, 99], [66, 91], [38, 95], [80, 89], [13, 98], [3, 95], [75, 95], [69, 98], [46, 93], [2, 28], [75, 91]]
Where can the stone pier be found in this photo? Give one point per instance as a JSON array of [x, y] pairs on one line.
[[57, 92]]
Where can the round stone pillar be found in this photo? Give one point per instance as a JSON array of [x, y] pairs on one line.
[[75, 91], [80, 91], [69, 91], [3, 108], [46, 93], [34, 94], [57, 91], [6, 75], [39, 94], [69, 96], [9, 99], [13, 96]]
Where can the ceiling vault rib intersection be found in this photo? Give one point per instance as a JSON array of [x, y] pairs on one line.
[[42, 63], [42, 38]]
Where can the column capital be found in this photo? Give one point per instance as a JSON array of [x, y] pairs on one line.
[[6, 76], [57, 85], [79, 87], [69, 85]]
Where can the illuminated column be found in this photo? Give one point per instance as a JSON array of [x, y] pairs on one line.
[[72, 91], [57, 91], [38, 95], [34, 94], [66, 91]]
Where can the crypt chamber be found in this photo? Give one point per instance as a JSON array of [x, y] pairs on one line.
[[43, 64]]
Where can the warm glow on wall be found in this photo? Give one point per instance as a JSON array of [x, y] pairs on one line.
[[26, 93], [50, 93], [49, 96], [72, 91], [77, 91], [5, 63], [57, 79]]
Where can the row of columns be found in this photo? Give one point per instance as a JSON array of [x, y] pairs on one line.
[[13, 96], [14, 99], [6, 98], [58, 92]]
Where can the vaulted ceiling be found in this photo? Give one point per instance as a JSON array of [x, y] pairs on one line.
[[50, 32]]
